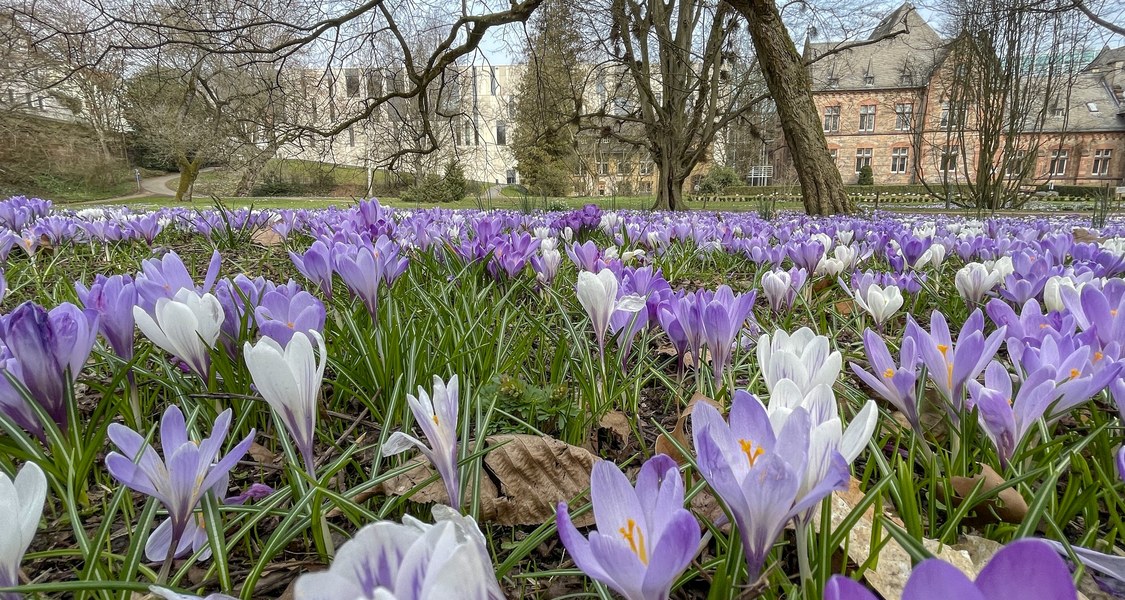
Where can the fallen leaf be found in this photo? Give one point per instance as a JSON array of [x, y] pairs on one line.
[[262, 455], [664, 443], [614, 434], [266, 236], [844, 307], [1007, 506], [524, 477]]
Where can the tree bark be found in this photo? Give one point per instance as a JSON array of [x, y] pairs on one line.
[[189, 170], [669, 187], [252, 171], [789, 84]]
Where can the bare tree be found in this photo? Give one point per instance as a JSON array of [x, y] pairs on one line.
[[1002, 96]]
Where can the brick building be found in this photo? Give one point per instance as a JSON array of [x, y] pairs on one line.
[[884, 103]]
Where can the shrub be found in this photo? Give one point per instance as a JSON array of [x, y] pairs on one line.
[[718, 180], [455, 186], [866, 176]]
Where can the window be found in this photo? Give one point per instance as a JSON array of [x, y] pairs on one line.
[[469, 134], [351, 82], [374, 84], [603, 167], [495, 81], [1058, 162], [1092, 106], [1057, 112], [832, 118], [510, 177], [869, 80], [867, 118], [862, 158], [904, 116], [906, 78], [833, 82], [1016, 162], [624, 167], [351, 137], [646, 167], [949, 158], [27, 98], [899, 159], [645, 187], [501, 133], [833, 153], [1101, 162]]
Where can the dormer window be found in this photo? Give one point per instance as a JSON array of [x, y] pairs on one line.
[[906, 79], [868, 80], [833, 82]]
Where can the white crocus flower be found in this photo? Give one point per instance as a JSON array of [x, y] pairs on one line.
[[879, 302], [827, 434], [598, 295], [437, 417], [831, 267], [803, 357], [974, 280], [185, 326], [21, 501], [1058, 285], [289, 379]]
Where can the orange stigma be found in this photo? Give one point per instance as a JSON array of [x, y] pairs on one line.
[[889, 373], [751, 452], [636, 539]]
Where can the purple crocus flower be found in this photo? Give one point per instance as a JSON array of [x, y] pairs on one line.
[[806, 255], [724, 315], [758, 473], [286, 310], [316, 265], [951, 367], [894, 382], [51, 348], [187, 471], [1099, 310], [12, 402], [644, 538], [163, 277], [113, 298], [586, 256], [437, 417], [365, 269], [1025, 568]]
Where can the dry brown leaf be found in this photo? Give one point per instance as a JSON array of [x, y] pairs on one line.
[[526, 476], [844, 307], [1007, 506], [266, 236], [614, 434], [1082, 235], [262, 455], [664, 444]]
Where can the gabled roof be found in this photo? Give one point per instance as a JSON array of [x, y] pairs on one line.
[[901, 52]]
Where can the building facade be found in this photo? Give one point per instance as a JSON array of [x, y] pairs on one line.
[[888, 103]]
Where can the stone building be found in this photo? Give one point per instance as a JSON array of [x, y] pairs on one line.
[[885, 103]]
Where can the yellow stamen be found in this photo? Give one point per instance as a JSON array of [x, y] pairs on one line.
[[1009, 401], [1074, 373], [943, 349], [1098, 356], [949, 369], [291, 324], [1042, 326], [636, 539], [436, 420], [751, 452], [1113, 312], [889, 373]]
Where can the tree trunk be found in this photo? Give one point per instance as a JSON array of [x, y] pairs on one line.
[[789, 84], [669, 189], [253, 171], [189, 170]]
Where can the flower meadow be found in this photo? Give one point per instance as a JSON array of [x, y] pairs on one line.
[[366, 403]]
